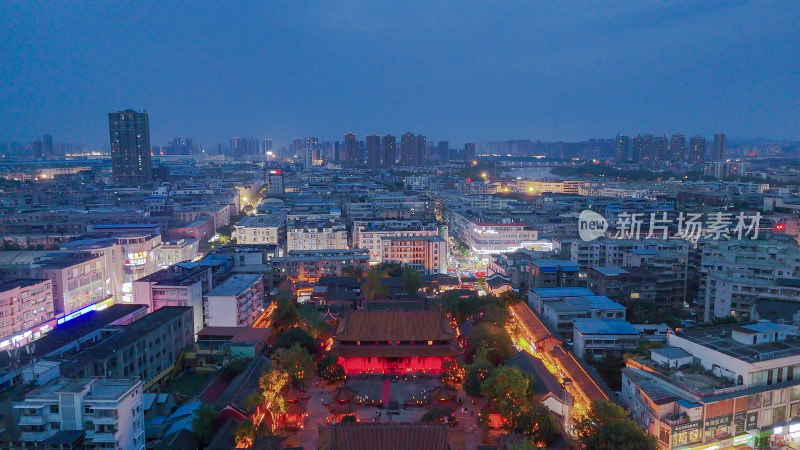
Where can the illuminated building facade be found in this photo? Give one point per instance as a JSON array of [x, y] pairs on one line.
[[24, 305], [394, 342]]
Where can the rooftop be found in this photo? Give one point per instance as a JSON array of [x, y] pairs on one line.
[[261, 221], [236, 284], [234, 334], [604, 326], [610, 271], [719, 338], [371, 326], [562, 292], [20, 283], [671, 352]]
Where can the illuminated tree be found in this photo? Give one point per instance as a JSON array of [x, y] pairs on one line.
[[538, 424], [203, 422], [271, 384], [298, 336], [295, 361], [452, 373], [508, 391], [607, 426], [330, 370]]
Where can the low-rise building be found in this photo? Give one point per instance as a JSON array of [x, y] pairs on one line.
[[562, 314], [599, 337], [305, 268]]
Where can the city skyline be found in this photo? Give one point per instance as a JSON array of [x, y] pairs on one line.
[[532, 84]]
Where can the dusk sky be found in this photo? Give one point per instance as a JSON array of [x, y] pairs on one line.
[[461, 71]]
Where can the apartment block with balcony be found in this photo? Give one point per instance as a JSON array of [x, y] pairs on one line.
[[321, 235], [147, 348], [555, 273], [178, 251], [261, 229], [176, 286], [237, 302], [107, 411], [738, 275], [426, 254], [25, 306], [368, 234], [627, 286], [305, 268]]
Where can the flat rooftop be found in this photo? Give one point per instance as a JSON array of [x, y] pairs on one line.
[[20, 283], [171, 277], [719, 338], [261, 221], [604, 326], [610, 271], [79, 327], [562, 292], [236, 284]]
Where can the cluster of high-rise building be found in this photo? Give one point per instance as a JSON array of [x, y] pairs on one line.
[[654, 150]]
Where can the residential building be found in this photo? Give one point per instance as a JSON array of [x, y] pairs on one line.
[[737, 275], [178, 251], [148, 348], [555, 273], [718, 151], [26, 305], [561, 314], [175, 286], [107, 411], [426, 254], [130, 147], [627, 286], [260, 229], [600, 337], [315, 235], [236, 302], [305, 268], [368, 234]]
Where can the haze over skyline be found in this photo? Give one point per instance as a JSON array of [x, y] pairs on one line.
[[549, 71]]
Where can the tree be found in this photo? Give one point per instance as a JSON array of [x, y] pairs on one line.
[[314, 324], [372, 287], [349, 419], [246, 432], [477, 372], [299, 336], [203, 422], [286, 314], [607, 426], [511, 298], [610, 369], [526, 444], [493, 338], [232, 368], [330, 370], [438, 415], [271, 384], [411, 281], [295, 361], [538, 424], [353, 271], [452, 373], [508, 391]]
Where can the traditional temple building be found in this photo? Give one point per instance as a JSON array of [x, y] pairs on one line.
[[393, 342]]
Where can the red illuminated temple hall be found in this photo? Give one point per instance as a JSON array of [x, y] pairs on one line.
[[394, 342]]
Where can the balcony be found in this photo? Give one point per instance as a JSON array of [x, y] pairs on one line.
[[31, 420]]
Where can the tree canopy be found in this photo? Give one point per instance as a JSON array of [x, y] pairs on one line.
[[203, 422], [372, 287], [508, 390], [295, 361], [297, 335], [411, 281], [607, 426]]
